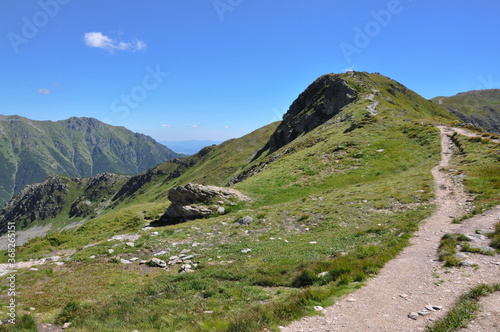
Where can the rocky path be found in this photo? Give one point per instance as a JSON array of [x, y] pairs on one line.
[[416, 279]]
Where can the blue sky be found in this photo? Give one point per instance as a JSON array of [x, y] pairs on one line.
[[214, 70]]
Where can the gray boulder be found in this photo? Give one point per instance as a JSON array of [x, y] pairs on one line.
[[245, 221], [194, 201]]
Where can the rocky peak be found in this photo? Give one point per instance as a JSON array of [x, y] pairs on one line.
[[321, 101]]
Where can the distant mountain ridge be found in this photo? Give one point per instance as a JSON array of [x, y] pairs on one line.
[[80, 147], [481, 108]]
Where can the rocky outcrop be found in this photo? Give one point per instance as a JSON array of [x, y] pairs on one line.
[[83, 196], [98, 190], [321, 101], [37, 201], [194, 201], [487, 118]]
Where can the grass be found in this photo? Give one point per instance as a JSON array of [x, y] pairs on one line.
[[479, 160], [23, 324], [463, 311], [447, 249], [495, 238]]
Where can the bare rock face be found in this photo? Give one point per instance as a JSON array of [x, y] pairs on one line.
[[194, 201], [321, 101]]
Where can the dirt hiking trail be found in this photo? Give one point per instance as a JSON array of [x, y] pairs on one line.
[[415, 278]]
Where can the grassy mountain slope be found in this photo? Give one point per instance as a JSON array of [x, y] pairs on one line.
[[480, 108], [342, 196], [79, 147]]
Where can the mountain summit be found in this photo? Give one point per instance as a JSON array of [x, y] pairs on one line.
[[82, 147]]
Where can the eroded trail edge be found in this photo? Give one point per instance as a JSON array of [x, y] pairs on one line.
[[415, 278]]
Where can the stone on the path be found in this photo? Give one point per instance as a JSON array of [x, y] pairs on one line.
[[413, 315], [484, 231], [66, 325], [424, 313], [429, 307], [318, 308], [403, 296], [247, 250], [351, 299], [111, 251], [133, 259], [130, 244], [437, 307], [475, 237], [323, 274], [125, 261], [155, 233], [484, 248]]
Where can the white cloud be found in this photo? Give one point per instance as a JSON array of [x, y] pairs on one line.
[[166, 125], [195, 126], [226, 127], [98, 40], [44, 91], [350, 68]]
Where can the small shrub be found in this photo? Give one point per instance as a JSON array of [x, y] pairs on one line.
[[303, 217], [304, 279], [68, 314], [495, 241], [475, 139]]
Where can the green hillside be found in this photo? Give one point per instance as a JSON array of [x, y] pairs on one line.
[[338, 186], [79, 147], [479, 108]]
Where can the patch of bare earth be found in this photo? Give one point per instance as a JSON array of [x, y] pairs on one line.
[[416, 279]]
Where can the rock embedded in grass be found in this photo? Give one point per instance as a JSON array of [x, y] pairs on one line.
[[245, 221], [158, 262]]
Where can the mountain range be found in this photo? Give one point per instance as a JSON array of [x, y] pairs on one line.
[[79, 147]]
